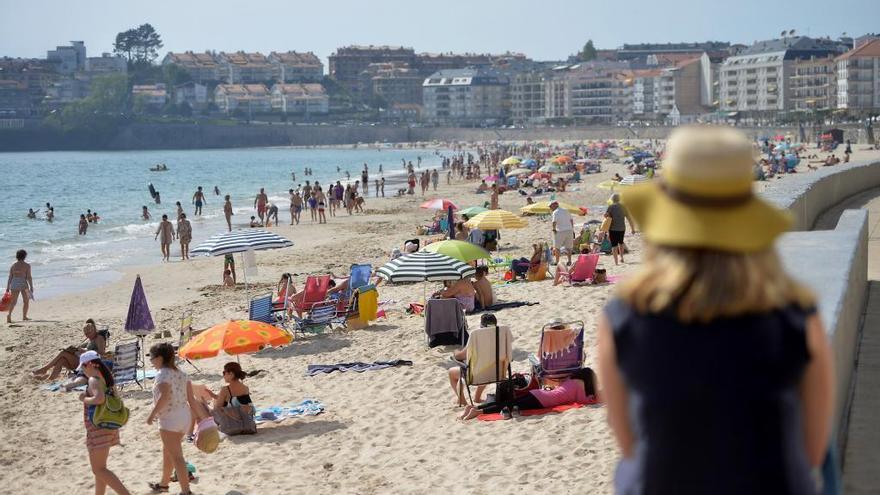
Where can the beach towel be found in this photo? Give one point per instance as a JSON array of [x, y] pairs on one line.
[[445, 323], [315, 369], [537, 412], [504, 305], [56, 386], [277, 414], [557, 342], [368, 303]]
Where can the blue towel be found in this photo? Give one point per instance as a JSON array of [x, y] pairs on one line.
[[308, 407], [315, 369]]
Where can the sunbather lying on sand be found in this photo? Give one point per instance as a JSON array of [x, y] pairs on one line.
[[579, 388]]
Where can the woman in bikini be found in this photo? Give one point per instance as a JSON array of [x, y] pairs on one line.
[[20, 282]]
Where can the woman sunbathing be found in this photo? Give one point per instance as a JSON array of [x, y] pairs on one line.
[[462, 290], [579, 388], [69, 358]]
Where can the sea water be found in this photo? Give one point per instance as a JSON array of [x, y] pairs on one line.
[[115, 185]]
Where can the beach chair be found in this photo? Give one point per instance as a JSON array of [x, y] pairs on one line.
[[125, 363], [560, 353], [260, 309], [319, 316], [445, 323], [282, 303], [359, 276], [583, 270], [185, 335], [315, 291], [489, 353]]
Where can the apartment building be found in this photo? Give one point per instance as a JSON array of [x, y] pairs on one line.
[[466, 97], [193, 94], [245, 68], [106, 64], [201, 67], [347, 63], [757, 79], [646, 84], [246, 97], [392, 82], [599, 96], [152, 96], [299, 98], [858, 78], [527, 97], [813, 84], [296, 66], [68, 59]]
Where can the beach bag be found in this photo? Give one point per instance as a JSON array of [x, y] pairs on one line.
[[234, 420], [606, 225], [600, 276], [110, 415], [207, 435], [5, 300]]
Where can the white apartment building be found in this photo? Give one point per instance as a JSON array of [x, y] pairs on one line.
[[249, 98], [473, 96], [300, 99], [858, 78], [757, 79], [242, 67], [68, 59], [296, 66], [202, 67]]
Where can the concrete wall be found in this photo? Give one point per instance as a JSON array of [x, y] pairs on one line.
[[834, 263]]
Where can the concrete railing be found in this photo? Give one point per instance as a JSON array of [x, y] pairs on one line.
[[834, 263]]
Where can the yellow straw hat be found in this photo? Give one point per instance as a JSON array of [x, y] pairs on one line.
[[704, 198]]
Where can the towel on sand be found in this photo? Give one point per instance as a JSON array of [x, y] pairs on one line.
[[537, 412], [56, 386], [315, 369], [308, 407]]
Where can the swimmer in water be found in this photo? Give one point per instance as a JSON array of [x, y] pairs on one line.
[[50, 214], [145, 213], [216, 191], [31, 214]]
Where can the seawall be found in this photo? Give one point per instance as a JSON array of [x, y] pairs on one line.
[[198, 136]]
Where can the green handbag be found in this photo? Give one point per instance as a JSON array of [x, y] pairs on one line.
[[112, 414]]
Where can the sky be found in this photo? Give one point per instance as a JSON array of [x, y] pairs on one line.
[[543, 30]]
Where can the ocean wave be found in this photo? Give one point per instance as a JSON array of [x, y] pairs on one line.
[[136, 228]]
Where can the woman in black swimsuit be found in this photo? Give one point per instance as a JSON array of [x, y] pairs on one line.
[[235, 392]]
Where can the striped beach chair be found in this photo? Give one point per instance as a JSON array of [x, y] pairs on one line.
[[125, 363]]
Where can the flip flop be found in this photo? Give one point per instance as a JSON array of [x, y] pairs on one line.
[[157, 488]]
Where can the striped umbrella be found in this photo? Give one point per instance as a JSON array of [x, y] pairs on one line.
[[438, 204], [240, 241], [424, 266], [631, 180]]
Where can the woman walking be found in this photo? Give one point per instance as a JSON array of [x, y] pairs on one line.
[[172, 402], [20, 282], [99, 440], [715, 366], [184, 233]]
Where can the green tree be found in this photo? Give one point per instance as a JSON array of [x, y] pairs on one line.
[[101, 112], [588, 52], [138, 45]]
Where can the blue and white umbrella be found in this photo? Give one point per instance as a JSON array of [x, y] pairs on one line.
[[240, 241], [631, 180]]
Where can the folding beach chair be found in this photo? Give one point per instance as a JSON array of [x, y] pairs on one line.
[[583, 270], [260, 309], [315, 291], [319, 316], [561, 351], [445, 323], [489, 353], [125, 363], [282, 303], [359, 276], [186, 333]]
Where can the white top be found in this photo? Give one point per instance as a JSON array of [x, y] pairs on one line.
[[178, 380], [563, 219]]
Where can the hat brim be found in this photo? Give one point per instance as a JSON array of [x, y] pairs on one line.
[[665, 221]]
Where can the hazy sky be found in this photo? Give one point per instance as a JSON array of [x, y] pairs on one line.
[[542, 29]]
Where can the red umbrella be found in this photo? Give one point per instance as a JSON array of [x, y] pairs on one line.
[[540, 175], [439, 204]]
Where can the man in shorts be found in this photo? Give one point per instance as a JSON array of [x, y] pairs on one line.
[[619, 216], [563, 231], [260, 203]]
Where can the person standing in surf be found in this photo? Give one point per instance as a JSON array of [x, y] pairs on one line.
[[260, 203], [199, 200], [227, 212], [166, 230]]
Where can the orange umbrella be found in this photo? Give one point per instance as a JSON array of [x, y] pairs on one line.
[[234, 337], [560, 159]]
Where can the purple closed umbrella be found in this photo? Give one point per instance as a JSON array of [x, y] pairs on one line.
[[139, 321], [449, 221]]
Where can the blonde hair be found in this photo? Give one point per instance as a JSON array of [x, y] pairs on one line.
[[700, 285]]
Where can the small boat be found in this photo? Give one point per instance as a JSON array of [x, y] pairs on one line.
[[159, 168]]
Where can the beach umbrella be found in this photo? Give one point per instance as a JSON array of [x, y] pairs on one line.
[[139, 320], [496, 220], [519, 171], [239, 241], [551, 169], [473, 211], [540, 175], [530, 163], [560, 159], [543, 208], [631, 180], [512, 160], [490, 178], [424, 266], [234, 337], [460, 250], [438, 204]]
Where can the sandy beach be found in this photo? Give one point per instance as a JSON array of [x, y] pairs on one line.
[[387, 431]]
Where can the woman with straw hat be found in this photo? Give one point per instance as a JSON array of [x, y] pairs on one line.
[[716, 369]]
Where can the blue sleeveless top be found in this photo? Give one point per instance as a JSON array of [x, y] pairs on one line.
[[714, 407]]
